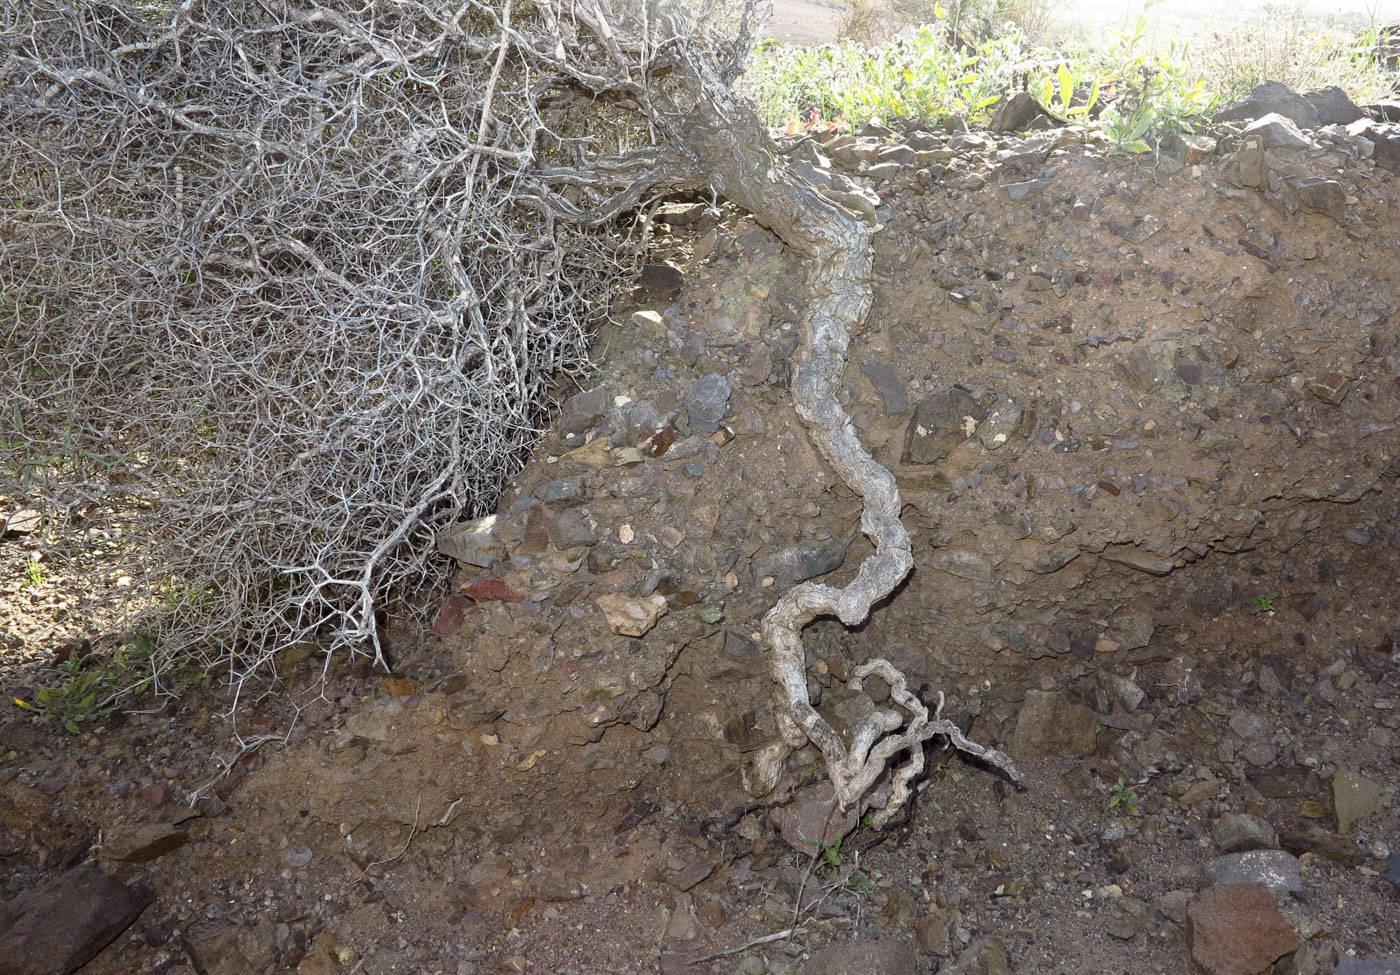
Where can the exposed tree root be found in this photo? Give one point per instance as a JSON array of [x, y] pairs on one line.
[[734, 150]]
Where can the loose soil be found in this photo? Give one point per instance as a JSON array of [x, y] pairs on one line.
[[1183, 400]]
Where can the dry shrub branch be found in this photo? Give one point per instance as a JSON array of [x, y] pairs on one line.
[[293, 283], [286, 287]]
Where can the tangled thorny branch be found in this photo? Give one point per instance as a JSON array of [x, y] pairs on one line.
[[293, 281]]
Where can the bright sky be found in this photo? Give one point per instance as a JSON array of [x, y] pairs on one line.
[[1111, 11]]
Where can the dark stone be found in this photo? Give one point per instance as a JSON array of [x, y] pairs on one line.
[[882, 376], [1386, 110], [1333, 107], [1017, 113], [1379, 965], [571, 529], [661, 280], [61, 925], [706, 402], [1318, 195], [1272, 97], [586, 409], [798, 563], [1385, 136], [1325, 844], [1051, 724], [938, 425], [1276, 132], [1279, 871], [864, 957], [1237, 832]]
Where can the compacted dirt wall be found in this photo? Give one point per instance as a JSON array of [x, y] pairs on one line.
[[1143, 415]]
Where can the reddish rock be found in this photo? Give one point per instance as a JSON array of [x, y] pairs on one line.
[[451, 616], [1235, 929], [485, 590], [154, 795]]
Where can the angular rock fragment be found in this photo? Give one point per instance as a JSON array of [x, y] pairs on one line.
[[1279, 871], [631, 615], [59, 926], [143, 843], [940, 423], [1272, 97], [1236, 930], [1051, 724], [706, 402], [472, 542], [798, 563]]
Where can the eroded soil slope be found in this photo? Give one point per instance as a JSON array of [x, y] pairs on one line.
[[1143, 414]]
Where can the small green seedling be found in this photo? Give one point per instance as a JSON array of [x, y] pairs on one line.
[[33, 571], [80, 696], [837, 873], [1121, 797], [1265, 604]]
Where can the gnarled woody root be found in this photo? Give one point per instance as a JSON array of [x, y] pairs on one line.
[[836, 245]]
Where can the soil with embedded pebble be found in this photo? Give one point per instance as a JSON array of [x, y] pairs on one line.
[[1143, 417]]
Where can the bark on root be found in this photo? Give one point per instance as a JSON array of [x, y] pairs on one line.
[[730, 144]]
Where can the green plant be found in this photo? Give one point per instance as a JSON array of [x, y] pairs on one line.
[[1265, 603], [79, 695], [33, 571], [835, 872], [1121, 797]]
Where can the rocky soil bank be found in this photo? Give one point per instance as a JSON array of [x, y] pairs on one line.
[[1143, 413]]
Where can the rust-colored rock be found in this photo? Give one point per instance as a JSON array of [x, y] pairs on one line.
[[1235, 929]]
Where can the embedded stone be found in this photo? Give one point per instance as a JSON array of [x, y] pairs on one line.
[[631, 615]]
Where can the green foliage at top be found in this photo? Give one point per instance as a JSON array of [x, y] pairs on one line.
[[1131, 87], [924, 78]]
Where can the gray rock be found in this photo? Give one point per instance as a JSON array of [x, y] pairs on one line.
[[1277, 132], [1385, 136], [864, 957], [140, 844], [25, 521], [61, 925], [1333, 107], [905, 156], [1379, 965], [1138, 558], [1017, 113], [706, 402], [585, 410], [940, 423], [985, 956], [1016, 192], [570, 529], [1272, 97], [1279, 871], [472, 542], [561, 493], [1000, 425], [215, 951], [797, 563], [963, 563], [661, 280], [1236, 832], [1319, 195], [1139, 230], [1385, 110], [882, 376], [1051, 724]]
